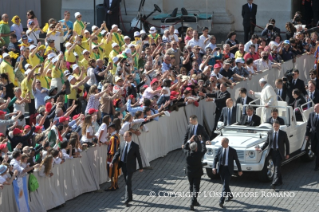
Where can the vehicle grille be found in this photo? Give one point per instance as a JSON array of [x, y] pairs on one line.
[[241, 154]]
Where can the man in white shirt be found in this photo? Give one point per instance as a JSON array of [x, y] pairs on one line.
[[205, 37], [195, 41], [16, 164], [253, 41]]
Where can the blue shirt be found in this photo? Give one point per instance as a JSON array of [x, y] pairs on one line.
[[165, 67], [68, 23], [39, 97]]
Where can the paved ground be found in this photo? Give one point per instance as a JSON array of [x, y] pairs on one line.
[[167, 176]]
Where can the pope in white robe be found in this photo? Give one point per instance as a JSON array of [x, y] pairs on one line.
[[267, 96]]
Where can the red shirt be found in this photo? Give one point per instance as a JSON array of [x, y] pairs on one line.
[[248, 55]]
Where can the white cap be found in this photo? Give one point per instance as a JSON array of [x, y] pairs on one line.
[[51, 55], [68, 44], [75, 54], [74, 66], [130, 45], [24, 48], [176, 31], [27, 71], [95, 46], [262, 80], [114, 25], [4, 55], [213, 74], [239, 60], [84, 51], [67, 72], [94, 27], [137, 33], [142, 31], [55, 59], [117, 78], [86, 31], [166, 30], [127, 51], [26, 66], [77, 14], [152, 30], [127, 37], [103, 32], [115, 59], [114, 44], [32, 47], [71, 77]]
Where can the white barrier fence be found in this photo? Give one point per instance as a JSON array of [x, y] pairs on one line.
[[85, 174]]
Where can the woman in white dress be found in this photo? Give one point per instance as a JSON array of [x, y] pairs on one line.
[[19, 104]]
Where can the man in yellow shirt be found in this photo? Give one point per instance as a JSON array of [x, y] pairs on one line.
[[50, 48], [6, 68], [240, 53], [114, 52], [78, 26], [85, 61], [127, 41], [137, 38], [106, 43], [116, 37]]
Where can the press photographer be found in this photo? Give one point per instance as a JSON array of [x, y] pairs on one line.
[[270, 30]]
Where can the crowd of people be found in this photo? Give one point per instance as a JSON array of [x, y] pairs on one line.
[[85, 87]]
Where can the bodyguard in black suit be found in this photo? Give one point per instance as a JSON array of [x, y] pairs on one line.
[[250, 119], [194, 169], [295, 83], [195, 129], [112, 12], [128, 156], [248, 13], [228, 114], [243, 99], [280, 90], [276, 141], [313, 74], [225, 157], [274, 117], [220, 100], [312, 93], [313, 133]]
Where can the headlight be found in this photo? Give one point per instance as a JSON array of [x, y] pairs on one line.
[[251, 154], [209, 151]]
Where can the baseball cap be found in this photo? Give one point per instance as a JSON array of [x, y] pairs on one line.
[[63, 119], [70, 77], [24, 37], [2, 112], [3, 169], [152, 30], [94, 27], [114, 45], [26, 66], [115, 59], [74, 66], [217, 65], [76, 116], [117, 78], [77, 14], [47, 98], [239, 60], [27, 127], [136, 34], [48, 107], [4, 55], [126, 37], [27, 71], [114, 26], [50, 40], [127, 51], [17, 131], [142, 31], [2, 135], [37, 128], [51, 55], [84, 51], [66, 73], [68, 44], [92, 110], [154, 81], [103, 32], [33, 46]]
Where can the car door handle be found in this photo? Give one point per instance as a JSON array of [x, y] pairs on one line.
[[291, 136]]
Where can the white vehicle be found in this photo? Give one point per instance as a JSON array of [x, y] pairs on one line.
[[244, 139]]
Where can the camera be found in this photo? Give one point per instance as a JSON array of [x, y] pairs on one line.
[[289, 74], [270, 27]]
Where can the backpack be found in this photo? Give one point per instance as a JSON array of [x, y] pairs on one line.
[[33, 183]]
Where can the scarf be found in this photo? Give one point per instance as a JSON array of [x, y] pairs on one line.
[[14, 21], [120, 41], [52, 33], [97, 45], [13, 55], [116, 51], [40, 58], [2, 22], [46, 27], [154, 38], [81, 23]]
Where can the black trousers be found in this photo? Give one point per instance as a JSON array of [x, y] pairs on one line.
[[194, 183], [315, 150], [248, 32], [217, 115], [32, 107], [128, 181], [276, 157], [225, 176]]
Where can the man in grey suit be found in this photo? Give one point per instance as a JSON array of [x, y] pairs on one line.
[[128, 157], [228, 115], [313, 134], [276, 141]]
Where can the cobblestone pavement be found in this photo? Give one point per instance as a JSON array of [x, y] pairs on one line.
[[167, 176]]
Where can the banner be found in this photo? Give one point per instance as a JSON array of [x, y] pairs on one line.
[[20, 188]]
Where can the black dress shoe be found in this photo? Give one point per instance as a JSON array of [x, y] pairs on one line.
[[229, 198], [197, 204], [221, 205], [191, 207]]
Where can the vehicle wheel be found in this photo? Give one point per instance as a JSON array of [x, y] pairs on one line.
[[210, 174], [267, 173], [309, 156]]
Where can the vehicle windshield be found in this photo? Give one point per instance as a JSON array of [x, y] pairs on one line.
[[244, 132]]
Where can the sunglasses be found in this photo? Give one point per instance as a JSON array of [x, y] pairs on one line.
[[80, 16], [16, 18]]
